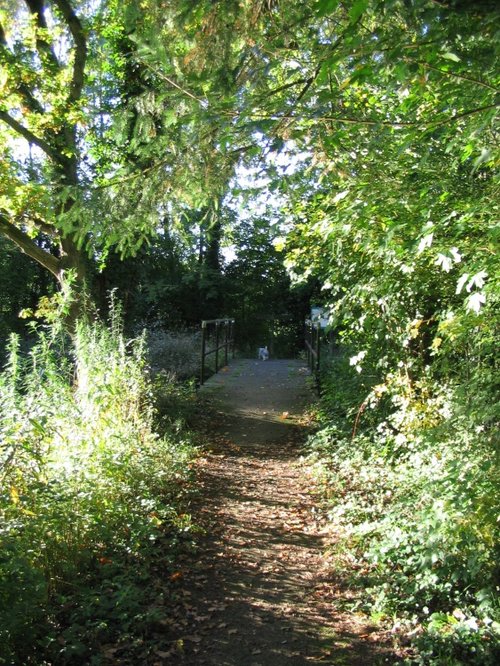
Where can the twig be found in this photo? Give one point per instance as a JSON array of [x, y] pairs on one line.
[[358, 417]]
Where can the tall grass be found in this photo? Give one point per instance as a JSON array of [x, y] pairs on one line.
[[174, 353], [86, 485]]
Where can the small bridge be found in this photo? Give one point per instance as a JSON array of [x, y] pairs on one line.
[[217, 341]]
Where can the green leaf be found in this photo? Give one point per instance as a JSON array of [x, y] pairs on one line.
[[325, 7], [357, 10], [451, 56], [169, 117]]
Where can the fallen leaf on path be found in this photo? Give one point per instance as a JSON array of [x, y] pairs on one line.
[[177, 575]]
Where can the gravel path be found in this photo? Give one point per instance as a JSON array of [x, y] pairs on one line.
[[259, 591]]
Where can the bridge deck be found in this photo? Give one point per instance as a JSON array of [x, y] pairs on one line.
[[260, 398]]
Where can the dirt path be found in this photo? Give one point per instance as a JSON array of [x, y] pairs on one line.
[[259, 591]]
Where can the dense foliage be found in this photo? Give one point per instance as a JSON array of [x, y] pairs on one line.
[[93, 486], [127, 132], [411, 478], [401, 229]]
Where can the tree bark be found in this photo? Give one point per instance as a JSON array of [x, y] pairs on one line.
[[29, 247]]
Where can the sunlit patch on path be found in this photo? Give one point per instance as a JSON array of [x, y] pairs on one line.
[[259, 590]]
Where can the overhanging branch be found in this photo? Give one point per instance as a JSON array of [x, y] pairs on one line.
[[309, 81], [455, 75], [30, 100], [44, 47], [28, 246], [397, 124], [465, 114], [29, 136]]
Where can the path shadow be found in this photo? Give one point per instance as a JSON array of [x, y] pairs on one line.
[[260, 437], [255, 592], [234, 619]]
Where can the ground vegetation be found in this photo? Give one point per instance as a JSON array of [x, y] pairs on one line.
[[206, 159]]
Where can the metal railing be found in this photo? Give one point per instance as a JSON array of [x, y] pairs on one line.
[[313, 346], [219, 332]]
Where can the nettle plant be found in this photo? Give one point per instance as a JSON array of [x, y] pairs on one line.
[[86, 479]]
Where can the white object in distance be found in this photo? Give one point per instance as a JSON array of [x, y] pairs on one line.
[[263, 354]]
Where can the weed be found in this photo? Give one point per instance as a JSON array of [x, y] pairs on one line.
[[413, 492], [174, 353], [91, 494]]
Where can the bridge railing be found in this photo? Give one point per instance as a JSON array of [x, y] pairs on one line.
[[217, 337], [313, 345]]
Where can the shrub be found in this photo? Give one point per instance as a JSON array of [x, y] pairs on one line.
[[87, 484], [175, 353], [413, 491]]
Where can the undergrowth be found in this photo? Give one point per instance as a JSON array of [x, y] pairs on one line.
[[174, 353], [93, 480], [411, 478]]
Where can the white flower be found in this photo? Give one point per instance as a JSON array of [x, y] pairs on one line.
[[354, 360]]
